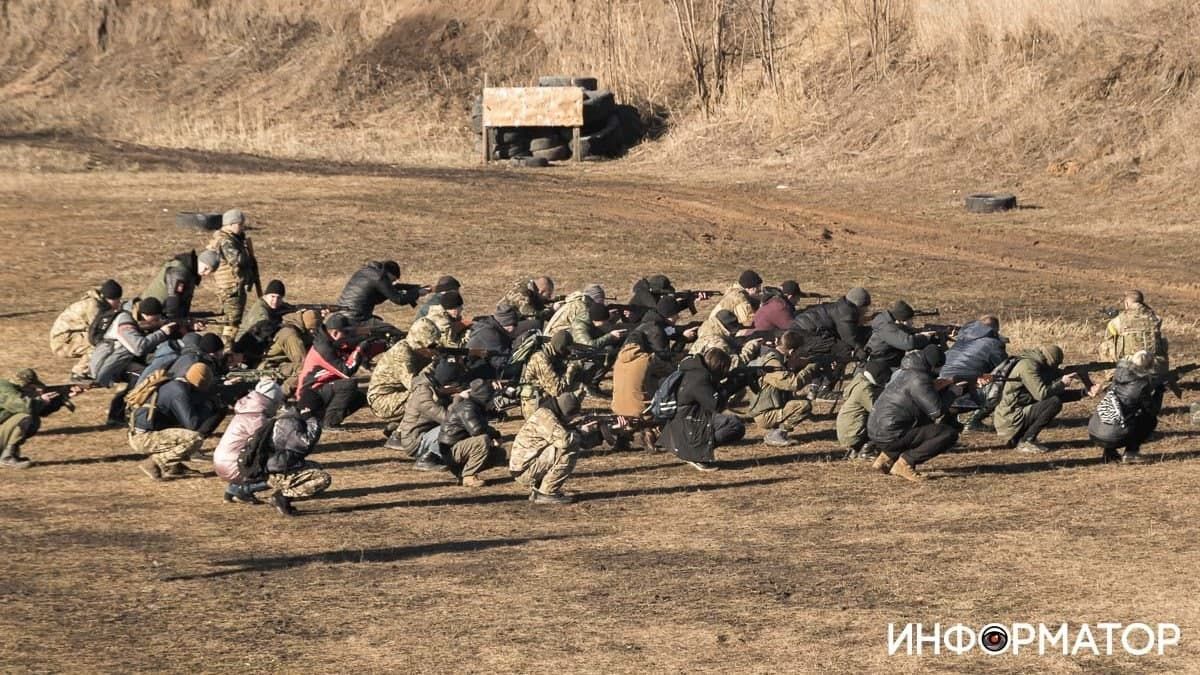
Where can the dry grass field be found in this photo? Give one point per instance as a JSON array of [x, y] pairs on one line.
[[787, 560]]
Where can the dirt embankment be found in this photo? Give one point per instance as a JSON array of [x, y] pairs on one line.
[[1099, 94]]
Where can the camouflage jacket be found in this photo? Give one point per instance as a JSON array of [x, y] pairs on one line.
[[523, 298], [542, 430], [778, 387], [735, 300], [450, 332], [541, 378], [396, 370], [723, 341], [235, 261], [1132, 331], [78, 317], [574, 309]]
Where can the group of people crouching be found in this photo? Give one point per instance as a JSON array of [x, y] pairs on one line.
[[760, 355]]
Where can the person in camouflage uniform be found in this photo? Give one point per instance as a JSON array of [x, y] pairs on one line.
[[236, 274], [442, 285], [445, 319], [777, 406], [545, 449], [547, 374], [69, 335], [738, 299], [23, 404], [1136, 328], [530, 298], [721, 337], [173, 423], [391, 379], [574, 312]]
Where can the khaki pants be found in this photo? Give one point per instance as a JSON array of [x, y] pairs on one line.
[[73, 346], [168, 447], [470, 455], [305, 482], [388, 406], [549, 471], [787, 418], [13, 431]]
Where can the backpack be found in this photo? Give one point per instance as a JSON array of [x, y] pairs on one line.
[[529, 343], [143, 392], [665, 401], [993, 391], [252, 460], [100, 325]]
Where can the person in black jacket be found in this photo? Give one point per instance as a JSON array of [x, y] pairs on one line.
[[466, 441], [374, 284], [173, 424], [977, 350], [841, 320], [902, 424], [698, 427], [647, 293], [1128, 412], [493, 335], [892, 335]]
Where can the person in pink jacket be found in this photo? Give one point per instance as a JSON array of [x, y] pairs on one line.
[[251, 412]]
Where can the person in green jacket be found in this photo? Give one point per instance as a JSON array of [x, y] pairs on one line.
[[23, 402], [857, 403], [1033, 396]]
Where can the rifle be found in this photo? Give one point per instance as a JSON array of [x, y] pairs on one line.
[[927, 312], [252, 268], [596, 361], [1109, 313], [385, 333], [255, 374], [65, 393], [316, 307], [1171, 379], [688, 298], [945, 332]]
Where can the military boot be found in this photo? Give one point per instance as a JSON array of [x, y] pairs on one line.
[[883, 463], [778, 438], [904, 470], [11, 459], [473, 481]]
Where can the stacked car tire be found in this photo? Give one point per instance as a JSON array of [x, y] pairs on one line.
[[608, 128]]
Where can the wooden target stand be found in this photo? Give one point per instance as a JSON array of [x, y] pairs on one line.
[[532, 107]]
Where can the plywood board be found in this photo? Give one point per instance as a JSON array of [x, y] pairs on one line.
[[533, 107]]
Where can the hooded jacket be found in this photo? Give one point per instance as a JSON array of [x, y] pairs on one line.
[[857, 403], [1135, 392], [977, 350], [908, 401], [250, 413], [889, 340], [690, 433], [775, 313], [1032, 379], [371, 286], [839, 319]]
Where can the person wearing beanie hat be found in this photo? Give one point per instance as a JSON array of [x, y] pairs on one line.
[[261, 320], [373, 285], [575, 316], [892, 335], [70, 333], [545, 449], [328, 370], [668, 307], [549, 373], [1033, 395], [647, 293], [740, 299], [644, 359], [289, 346], [859, 297], [446, 317], [493, 337], [209, 262], [211, 344], [1128, 412], [451, 300], [776, 404], [723, 338], [902, 424], [24, 401], [236, 273], [446, 283], [171, 423], [466, 440], [392, 377], [531, 298], [434, 299], [778, 308], [129, 341]]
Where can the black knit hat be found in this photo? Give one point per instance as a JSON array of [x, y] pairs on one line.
[[275, 286], [668, 306], [150, 306], [901, 310], [790, 287], [447, 371], [111, 290], [561, 340], [392, 268], [879, 371], [506, 316], [210, 343], [451, 300], [446, 283], [337, 322], [934, 357], [597, 312], [750, 279], [481, 391]]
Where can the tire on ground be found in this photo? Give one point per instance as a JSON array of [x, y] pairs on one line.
[[596, 110], [584, 82], [545, 142], [985, 202], [513, 136], [557, 153], [529, 162]]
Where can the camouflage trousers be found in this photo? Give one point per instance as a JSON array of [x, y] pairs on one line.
[[549, 470], [15, 430], [168, 447], [388, 406], [233, 305], [306, 481], [787, 418], [71, 346]]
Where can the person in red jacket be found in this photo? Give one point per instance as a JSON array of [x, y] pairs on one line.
[[778, 309], [326, 379]]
